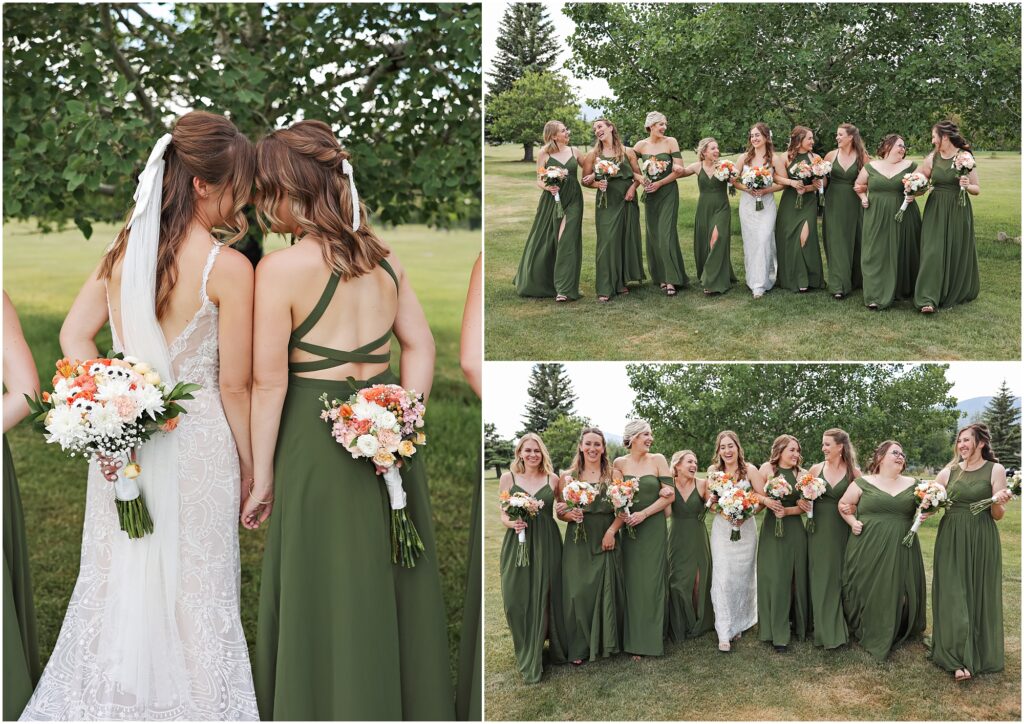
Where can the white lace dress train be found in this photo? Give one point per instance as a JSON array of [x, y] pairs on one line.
[[734, 579], [758, 231]]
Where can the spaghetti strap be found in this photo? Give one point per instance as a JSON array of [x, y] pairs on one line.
[[318, 311], [390, 270], [203, 297]]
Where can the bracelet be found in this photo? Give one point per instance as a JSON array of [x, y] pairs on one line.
[[252, 484]]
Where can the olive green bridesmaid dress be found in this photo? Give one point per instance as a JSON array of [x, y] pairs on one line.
[[890, 256], [632, 248], [21, 647], [883, 580], [467, 692], [714, 266], [614, 238], [826, 552], [949, 255], [551, 262], [689, 569], [532, 594], [645, 565], [799, 267], [592, 594], [967, 593], [664, 257], [783, 605], [841, 226], [344, 633]]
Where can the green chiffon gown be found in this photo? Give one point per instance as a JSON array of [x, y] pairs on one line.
[[592, 594], [551, 262], [632, 248], [949, 255], [532, 595], [883, 580], [799, 267], [21, 647], [714, 266], [967, 594], [467, 692], [664, 257], [344, 633], [645, 565], [891, 253], [841, 227], [826, 552], [689, 569], [618, 234], [783, 605]]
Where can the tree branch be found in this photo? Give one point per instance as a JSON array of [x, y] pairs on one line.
[[158, 24], [126, 69]]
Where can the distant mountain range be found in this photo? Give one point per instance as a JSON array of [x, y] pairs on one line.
[[974, 406]]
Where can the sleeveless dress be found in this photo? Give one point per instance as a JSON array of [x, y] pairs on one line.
[[618, 255], [967, 593], [210, 673], [799, 266], [664, 257], [532, 595], [645, 565], [344, 633], [783, 603], [758, 231], [468, 706], [883, 610], [734, 583], [841, 224], [949, 255], [689, 567], [592, 594], [551, 264], [714, 266], [890, 256], [826, 550]]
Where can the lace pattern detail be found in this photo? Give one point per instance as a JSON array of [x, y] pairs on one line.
[[734, 583]]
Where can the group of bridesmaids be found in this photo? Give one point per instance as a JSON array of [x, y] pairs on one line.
[[850, 577], [929, 258]]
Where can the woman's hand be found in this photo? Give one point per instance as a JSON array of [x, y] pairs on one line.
[[1003, 497], [800, 188], [608, 541], [576, 514], [678, 168], [257, 506], [553, 190], [560, 508], [819, 184], [847, 509], [631, 193], [588, 179], [804, 505], [635, 519], [857, 526], [965, 181], [519, 525], [603, 184], [665, 492], [650, 187], [776, 507]]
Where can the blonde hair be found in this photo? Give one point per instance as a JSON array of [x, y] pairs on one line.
[[652, 118], [618, 151], [519, 465], [677, 457], [741, 461], [632, 429], [703, 146], [778, 447], [551, 129]]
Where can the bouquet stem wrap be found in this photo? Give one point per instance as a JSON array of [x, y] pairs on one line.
[[559, 211], [629, 529], [779, 530], [406, 545], [810, 517], [132, 513], [908, 539], [522, 552], [735, 534], [903, 207]]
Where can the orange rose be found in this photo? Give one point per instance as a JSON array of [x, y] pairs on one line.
[[46, 396], [169, 425]]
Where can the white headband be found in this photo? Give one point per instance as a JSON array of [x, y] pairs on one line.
[[346, 167]]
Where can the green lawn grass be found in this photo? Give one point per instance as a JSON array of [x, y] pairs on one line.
[[782, 325], [693, 681], [42, 274]]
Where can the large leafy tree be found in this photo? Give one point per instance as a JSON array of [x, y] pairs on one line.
[[518, 115], [498, 451], [561, 439], [526, 43], [550, 397], [1002, 415]]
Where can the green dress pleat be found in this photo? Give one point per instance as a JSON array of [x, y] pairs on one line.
[[21, 647], [891, 248], [344, 633], [841, 226], [949, 255], [783, 605], [826, 552], [467, 692], [799, 267], [714, 266], [967, 594], [689, 568], [532, 595], [883, 580], [664, 257], [632, 248], [592, 593], [615, 240], [551, 262], [645, 567]]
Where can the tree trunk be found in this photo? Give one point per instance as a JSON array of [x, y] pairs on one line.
[[528, 152], [497, 471]]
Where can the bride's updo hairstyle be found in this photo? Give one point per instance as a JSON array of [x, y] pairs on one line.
[[304, 165], [634, 428], [205, 146]]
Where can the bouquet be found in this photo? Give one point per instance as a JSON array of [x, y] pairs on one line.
[[382, 424], [932, 496], [554, 176], [758, 177], [1012, 484], [520, 506], [719, 483], [963, 164], [912, 183], [603, 168], [737, 504], [621, 493], [726, 171], [821, 170], [652, 169], [104, 409], [810, 489], [778, 489], [579, 494], [801, 171]]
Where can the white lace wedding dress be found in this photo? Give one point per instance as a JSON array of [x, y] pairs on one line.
[[204, 673], [758, 231], [734, 583]]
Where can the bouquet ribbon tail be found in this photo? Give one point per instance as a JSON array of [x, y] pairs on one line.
[[393, 481]]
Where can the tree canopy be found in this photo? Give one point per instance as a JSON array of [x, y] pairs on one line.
[[550, 396], [1002, 415], [526, 42], [518, 115]]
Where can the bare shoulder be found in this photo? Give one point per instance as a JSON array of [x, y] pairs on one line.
[[673, 144], [658, 457], [233, 264], [999, 470], [831, 155], [943, 477], [816, 469], [630, 153], [505, 482], [617, 463]]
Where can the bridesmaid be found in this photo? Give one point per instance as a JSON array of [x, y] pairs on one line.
[[782, 599], [664, 257], [891, 248], [532, 594], [689, 553], [828, 541], [592, 595], [758, 227], [21, 647], [796, 228], [644, 558], [841, 218], [967, 593], [883, 580], [553, 255], [619, 256], [949, 257], [712, 223]]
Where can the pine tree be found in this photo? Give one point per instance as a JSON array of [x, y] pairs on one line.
[[498, 451], [526, 41], [551, 396], [1003, 420]]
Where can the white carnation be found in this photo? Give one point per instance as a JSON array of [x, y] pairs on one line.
[[108, 388], [150, 399], [385, 419], [105, 420], [66, 427], [367, 445]]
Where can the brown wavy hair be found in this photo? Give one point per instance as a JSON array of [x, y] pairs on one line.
[[796, 137], [880, 452], [741, 461], [618, 149], [847, 453], [982, 436], [951, 130], [858, 144], [780, 444], [887, 143], [578, 460], [769, 146], [205, 146], [302, 164]]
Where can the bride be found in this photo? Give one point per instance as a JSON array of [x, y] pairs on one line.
[[153, 629], [758, 227]]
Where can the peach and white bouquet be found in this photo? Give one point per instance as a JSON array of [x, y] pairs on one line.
[[554, 176], [756, 178], [579, 494], [810, 488], [604, 169], [719, 483], [652, 168], [801, 171], [737, 504], [1012, 484], [912, 183], [932, 496], [726, 171], [520, 506], [621, 493], [963, 164], [821, 169], [778, 488]]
